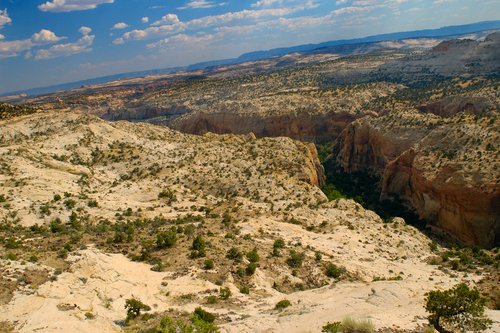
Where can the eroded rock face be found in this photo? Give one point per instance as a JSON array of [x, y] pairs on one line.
[[443, 167], [304, 127], [450, 106]]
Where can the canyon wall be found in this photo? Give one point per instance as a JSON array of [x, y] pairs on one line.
[[441, 169]]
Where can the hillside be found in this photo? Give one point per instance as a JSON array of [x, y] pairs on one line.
[[94, 213]]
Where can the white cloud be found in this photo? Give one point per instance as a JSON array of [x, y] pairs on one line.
[[167, 19], [195, 4], [185, 39], [145, 19], [13, 48], [120, 25], [45, 36], [267, 3], [4, 18], [2, 37], [71, 5], [61, 50], [85, 30]]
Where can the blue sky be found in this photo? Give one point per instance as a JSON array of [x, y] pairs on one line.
[[45, 42]]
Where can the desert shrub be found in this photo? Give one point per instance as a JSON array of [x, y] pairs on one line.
[[350, 325], [225, 293], [456, 308], [198, 247], [166, 194], [245, 290], [45, 209], [296, 258], [277, 246], [331, 327], [10, 256], [333, 271], [204, 315], [212, 299], [69, 203], [283, 304], [208, 264], [134, 308], [92, 203], [250, 270], [234, 254], [57, 197], [167, 238], [279, 243], [56, 225], [253, 256], [168, 325]]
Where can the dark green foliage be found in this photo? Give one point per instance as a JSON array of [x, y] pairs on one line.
[[331, 327], [332, 193], [167, 238], [57, 197], [225, 293], [283, 304], [204, 315], [198, 247], [45, 210], [208, 264], [69, 203], [250, 270], [92, 203], [253, 256], [134, 308], [277, 246], [56, 225], [333, 271], [245, 290], [169, 325], [296, 258], [234, 254], [457, 308], [364, 188], [124, 233], [166, 194]]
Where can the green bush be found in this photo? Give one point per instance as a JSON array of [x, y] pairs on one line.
[[245, 290], [56, 225], [198, 247], [283, 304], [253, 256], [69, 203], [92, 203], [166, 194], [212, 299], [250, 270], [168, 325], [204, 315], [234, 254], [225, 293], [167, 238], [296, 258], [134, 308], [208, 264], [331, 327], [458, 308], [333, 271]]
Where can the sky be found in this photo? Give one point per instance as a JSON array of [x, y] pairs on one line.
[[46, 42]]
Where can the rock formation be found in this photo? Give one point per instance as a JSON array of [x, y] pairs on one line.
[[445, 168]]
